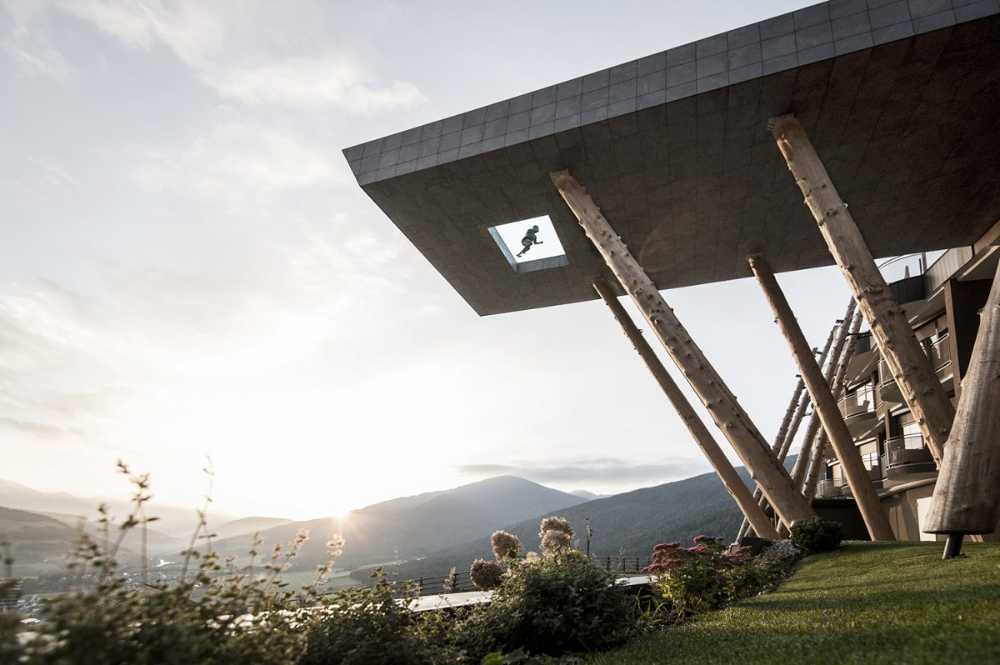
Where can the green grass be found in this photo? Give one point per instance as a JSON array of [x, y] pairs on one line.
[[865, 603]]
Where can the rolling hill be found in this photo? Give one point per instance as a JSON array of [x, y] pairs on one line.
[[39, 544], [174, 522], [415, 526], [631, 522], [247, 526]]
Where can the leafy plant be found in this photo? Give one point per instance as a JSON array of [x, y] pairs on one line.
[[487, 575], [550, 606], [371, 626], [214, 613], [506, 546], [556, 535], [816, 535]]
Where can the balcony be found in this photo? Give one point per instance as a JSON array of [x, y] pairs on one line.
[[826, 489], [858, 409], [939, 353], [907, 454]]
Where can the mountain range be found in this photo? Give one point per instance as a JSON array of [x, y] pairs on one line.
[[630, 523], [418, 536], [415, 526]]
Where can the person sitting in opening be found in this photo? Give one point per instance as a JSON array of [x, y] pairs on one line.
[[530, 238]]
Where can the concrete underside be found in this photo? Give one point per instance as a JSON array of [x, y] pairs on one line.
[[688, 174]]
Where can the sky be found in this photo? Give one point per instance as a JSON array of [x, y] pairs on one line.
[[188, 270]]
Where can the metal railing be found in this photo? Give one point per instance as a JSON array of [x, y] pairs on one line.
[[858, 402], [906, 450], [616, 564], [826, 489], [938, 351]]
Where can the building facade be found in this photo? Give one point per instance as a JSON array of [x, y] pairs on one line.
[[943, 305]]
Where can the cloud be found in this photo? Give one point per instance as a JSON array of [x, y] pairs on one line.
[[602, 471], [234, 160], [31, 427], [245, 52], [25, 39], [314, 83]]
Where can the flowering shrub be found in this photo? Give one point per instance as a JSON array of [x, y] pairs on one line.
[[485, 574], [505, 545], [816, 535], [708, 576], [703, 577], [551, 605], [556, 536]]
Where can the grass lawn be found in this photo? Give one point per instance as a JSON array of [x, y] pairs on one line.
[[865, 603]]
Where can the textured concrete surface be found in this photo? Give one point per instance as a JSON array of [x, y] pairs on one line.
[[900, 99]]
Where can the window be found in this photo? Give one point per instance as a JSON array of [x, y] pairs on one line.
[[869, 455], [913, 438], [530, 244]]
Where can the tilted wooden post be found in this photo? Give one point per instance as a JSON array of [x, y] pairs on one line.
[[730, 479], [800, 412], [789, 428], [807, 451], [824, 404], [779, 438], [838, 385], [967, 493], [726, 412], [911, 368]]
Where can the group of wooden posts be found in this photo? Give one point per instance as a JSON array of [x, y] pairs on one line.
[[965, 443]]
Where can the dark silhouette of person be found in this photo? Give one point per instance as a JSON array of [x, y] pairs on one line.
[[530, 238]]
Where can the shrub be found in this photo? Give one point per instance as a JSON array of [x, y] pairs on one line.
[[550, 606], [486, 575], [214, 613], [367, 626], [780, 556], [705, 576], [556, 535], [815, 535], [505, 545]]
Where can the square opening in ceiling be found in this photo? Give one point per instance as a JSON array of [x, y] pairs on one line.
[[530, 244]]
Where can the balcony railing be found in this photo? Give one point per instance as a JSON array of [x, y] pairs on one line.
[[858, 403], [906, 450], [826, 489], [939, 353]]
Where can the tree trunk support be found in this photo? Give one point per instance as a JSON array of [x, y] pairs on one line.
[[808, 451], [733, 483], [789, 428], [839, 386], [779, 438], [824, 404], [967, 493], [726, 412], [911, 368]]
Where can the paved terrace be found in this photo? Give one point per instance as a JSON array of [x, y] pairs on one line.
[[900, 99]]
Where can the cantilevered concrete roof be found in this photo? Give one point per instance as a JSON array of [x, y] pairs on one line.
[[901, 99]]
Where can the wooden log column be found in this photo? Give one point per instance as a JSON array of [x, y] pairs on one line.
[[789, 428], [824, 404], [967, 493], [779, 438], [920, 386], [730, 479], [807, 452], [838, 386], [726, 412]]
